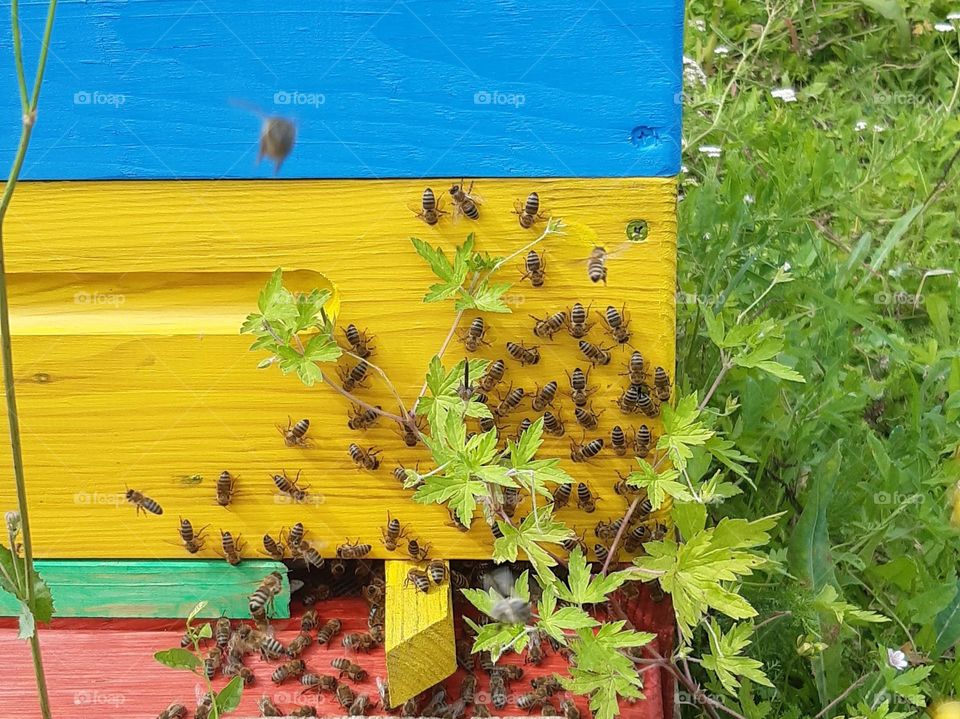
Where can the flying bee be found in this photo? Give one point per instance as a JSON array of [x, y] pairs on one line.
[[353, 550], [635, 369], [192, 541], [561, 495], [231, 546], [353, 671], [596, 354], [583, 452], [618, 440], [647, 405], [309, 621], [661, 384], [498, 691], [523, 354], [492, 376], [392, 533], [143, 503], [534, 267], [528, 213], [579, 391], [328, 631], [544, 396], [629, 400], [607, 531], [417, 552], [359, 341], [269, 588], [511, 499], [642, 441], [174, 711], [359, 641], [319, 682], [549, 326], [430, 207], [465, 202], [289, 486], [345, 695], [418, 579], [597, 265], [354, 377], [553, 424], [288, 670], [277, 135], [361, 418], [601, 551], [509, 403], [273, 548], [294, 434], [473, 336], [585, 499], [586, 417], [617, 324], [364, 458]]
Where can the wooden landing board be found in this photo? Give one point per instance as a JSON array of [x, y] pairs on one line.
[[171, 588], [378, 89], [131, 375]]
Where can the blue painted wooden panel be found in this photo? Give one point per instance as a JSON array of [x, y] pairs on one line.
[[379, 88]]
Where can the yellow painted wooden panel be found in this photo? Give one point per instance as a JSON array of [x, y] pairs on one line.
[[126, 302], [419, 642]]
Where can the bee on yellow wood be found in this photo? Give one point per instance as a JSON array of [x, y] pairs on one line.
[[544, 396], [353, 550], [585, 499], [523, 354], [579, 390], [465, 201], [618, 440], [577, 326], [437, 571], [647, 405], [607, 531], [629, 400], [364, 458], [582, 452], [511, 499], [294, 538], [273, 548], [192, 541], [561, 495], [596, 354], [430, 207], [289, 486], [392, 533], [492, 376], [143, 503], [226, 484], [617, 325], [549, 326], [294, 434], [361, 418], [509, 403], [534, 268], [419, 579], [553, 424], [574, 541], [635, 369], [232, 547], [353, 377], [409, 431], [586, 417], [418, 552], [528, 213], [359, 341], [661, 384], [642, 441], [473, 336]]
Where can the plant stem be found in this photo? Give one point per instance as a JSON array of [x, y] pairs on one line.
[[846, 692], [18, 56], [353, 398]]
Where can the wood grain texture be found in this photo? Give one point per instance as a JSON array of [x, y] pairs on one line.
[[170, 588], [143, 381], [418, 88], [419, 634]]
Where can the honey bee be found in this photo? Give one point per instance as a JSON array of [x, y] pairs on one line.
[[192, 541], [319, 682], [511, 499], [574, 541], [419, 579], [225, 487], [294, 434], [289, 486], [354, 377], [409, 431], [359, 641], [618, 440], [232, 547], [528, 214], [430, 205], [577, 325], [269, 647], [299, 643], [358, 341], [647, 405], [509, 403], [637, 536], [174, 711], [546, 686], [360, 706], [596, 354], [569, 709], [294, 538], [585, 499], [549, 326], [492, 376], [143, 503], [374, 591], [587, 418], [579, 391], [465, 202], [597, 265], [528, 701], [288, 670], [417, 552], [583, 452], [481, 711], [553, 424], [601, 551], [622, 488], [364, 458], [522, 354], [535, 267], [473, 336], [437, 571], [345, 695], [204, 706], [361, 418], [267, 708], [353, 550], [269, 588], [498, 691], [522, 427], [617, 324], [629, 400], [561, 495], [310, 555], [328, 631], [455, 522], [221, 632], [315, 594], [304, 710], [607, 531], [468, 689], [277, 135], [392, 533], [338, 567], [661, 384], [642, 441], [354, 671], [636, 370], [548, 709], [309, 621], [211, 662], [544, 396], [272, 548], [464, 650]]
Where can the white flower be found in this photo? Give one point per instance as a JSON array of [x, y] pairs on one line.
[[684, 168], [787, 94], [897, 659], [721, 50], [879, 128], [943, 27], [748, 199], [861, 125], [786, 267], [692, 72], [955, 15], [700, 24], [710, 150]]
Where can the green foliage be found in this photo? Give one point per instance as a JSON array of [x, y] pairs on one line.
[[725, 658], [443, 397], [461, 277], [13, 581]]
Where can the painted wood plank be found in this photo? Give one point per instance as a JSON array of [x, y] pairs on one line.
[[131, 371], [169, 588], [552, 88], [419, 634]]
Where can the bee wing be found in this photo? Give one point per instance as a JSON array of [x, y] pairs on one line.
[[500, 579], [295, 585], [478, 199]]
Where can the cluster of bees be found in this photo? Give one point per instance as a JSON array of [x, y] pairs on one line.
[[466, 204]]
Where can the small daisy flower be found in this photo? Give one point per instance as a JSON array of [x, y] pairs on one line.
[[787, 94], [879, 128], [943, 27], [721, 50], [700, 24], [748, 199], [897, 659], [955, 15], [860, 126], [710, 150]]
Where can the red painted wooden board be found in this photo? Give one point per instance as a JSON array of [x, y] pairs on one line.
[[104, 669]]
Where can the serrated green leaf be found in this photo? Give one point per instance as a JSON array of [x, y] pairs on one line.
[[682, 429], [658, 485], [530, 441], [27, 625], [322, 348], [6, 565], [270, 292], [780, 370], [724, 657], [42, 600]]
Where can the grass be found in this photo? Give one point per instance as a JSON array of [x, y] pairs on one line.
[[854, 187]]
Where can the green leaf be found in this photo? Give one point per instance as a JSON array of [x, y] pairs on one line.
[[946, 625], [827, 600], [322, 348], [42, 600], [582, 587], [724, 657], [809, 547], [206, 631], [228, 698], [200, 606], [530, 441], [436, 258], [726, 452], [658, 485], [486, 298], [554, 622], [893, 10], [6, 565], [780, 370], [26, 620], [682, 429], [178, 659], [271, 291]]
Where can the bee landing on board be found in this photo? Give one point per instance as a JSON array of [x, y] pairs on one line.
[[359, 341], [473, 336], [546, 328], [294, 434], [597, 265], [465, 201], [430, 207], [528, 214], [534, 268], [522, 354], [143, 503]]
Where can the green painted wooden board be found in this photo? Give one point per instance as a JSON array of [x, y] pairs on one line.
[[160, 589]]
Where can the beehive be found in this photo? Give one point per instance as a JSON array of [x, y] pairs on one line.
[[145, 230]]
